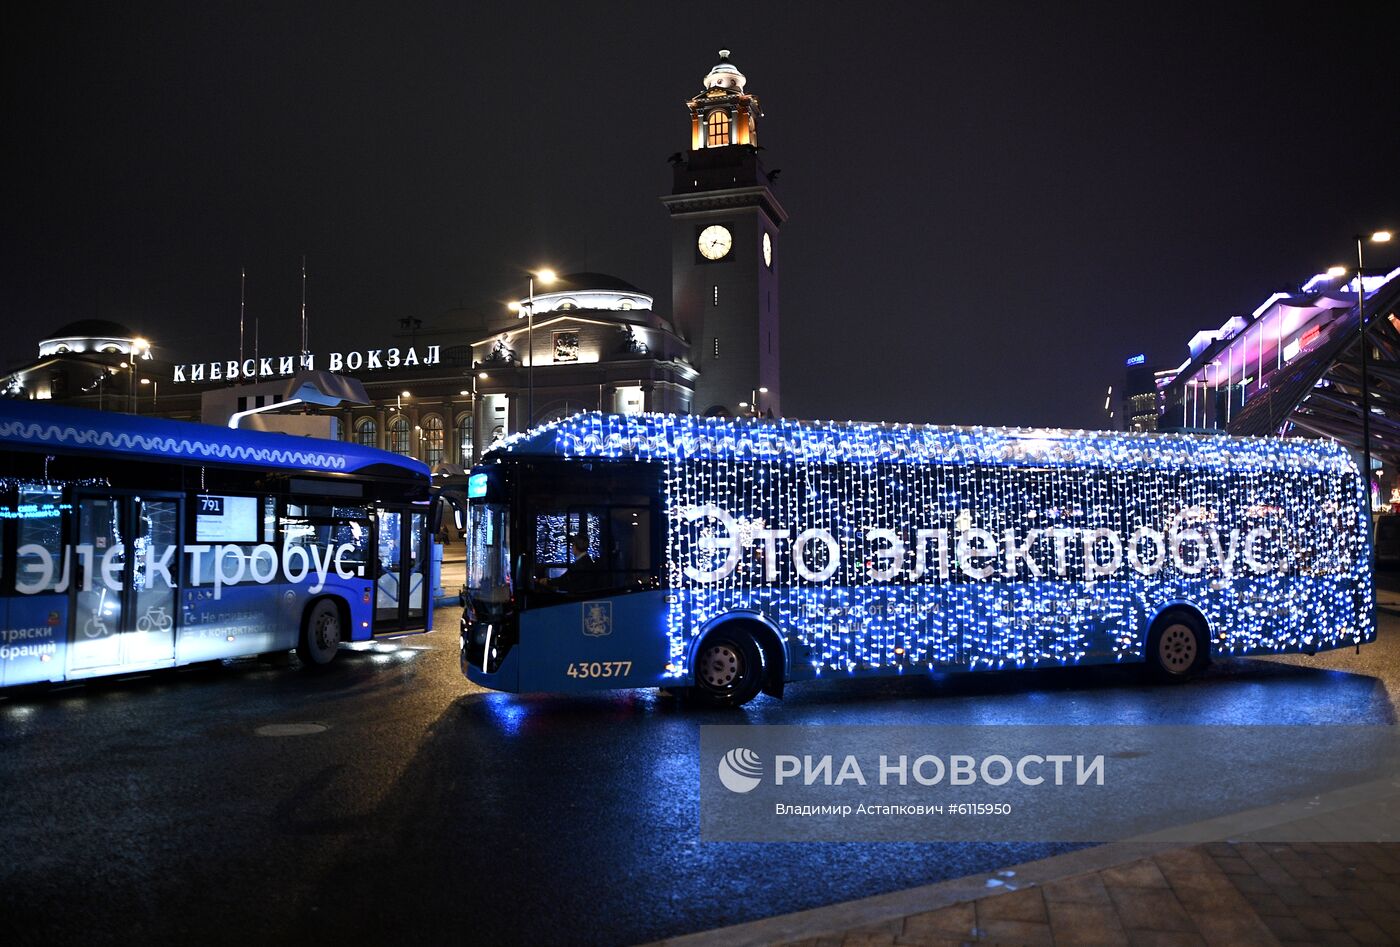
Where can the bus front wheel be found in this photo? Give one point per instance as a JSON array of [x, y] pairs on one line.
[[1177, 647], [728, 668], [320, 634]]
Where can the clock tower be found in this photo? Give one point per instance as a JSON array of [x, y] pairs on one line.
[[725, 250]]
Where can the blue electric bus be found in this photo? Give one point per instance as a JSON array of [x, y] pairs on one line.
[[132, 543], [732, 556]]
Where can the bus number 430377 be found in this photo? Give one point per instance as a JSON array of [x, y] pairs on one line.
[[728, 557]]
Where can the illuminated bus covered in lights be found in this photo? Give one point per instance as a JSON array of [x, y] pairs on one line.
[[130, 544], [733, 556]]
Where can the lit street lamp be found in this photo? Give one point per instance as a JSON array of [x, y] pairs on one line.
[[140, 348], [753, 400], [1380, 236], [546, 276]]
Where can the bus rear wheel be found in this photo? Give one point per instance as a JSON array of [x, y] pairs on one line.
[[1177, 647], [320, 634], [728, 668]]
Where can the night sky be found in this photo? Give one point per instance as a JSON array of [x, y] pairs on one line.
[[992, 205]]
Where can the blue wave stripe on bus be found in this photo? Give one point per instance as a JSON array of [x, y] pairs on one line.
[[30, 424], [666, 437]]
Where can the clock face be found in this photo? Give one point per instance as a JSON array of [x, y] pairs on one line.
[[767, 251], [715, 242]]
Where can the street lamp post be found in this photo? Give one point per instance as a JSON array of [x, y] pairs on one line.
[[465, 450], [1380, 236], [546, 276], [753, 400], [138, 347]]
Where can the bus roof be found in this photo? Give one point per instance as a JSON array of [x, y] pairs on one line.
[[692, 437], [29, 425]]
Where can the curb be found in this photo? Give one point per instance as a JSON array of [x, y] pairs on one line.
[[836, 919]]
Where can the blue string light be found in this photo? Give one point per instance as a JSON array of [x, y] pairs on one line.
[[893, 546]]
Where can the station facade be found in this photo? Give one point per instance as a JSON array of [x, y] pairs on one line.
[[584, 341]]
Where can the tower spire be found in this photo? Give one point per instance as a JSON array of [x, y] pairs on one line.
[[242, 308], [304, 348]]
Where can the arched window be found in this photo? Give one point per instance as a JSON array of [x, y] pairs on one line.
[[398, 435], [366, 432], [465, 429], [717, 128], [432, 441]]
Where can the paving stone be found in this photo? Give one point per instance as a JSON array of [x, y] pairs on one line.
[[956, 920], [1149, 909], [1386, 889], [1240, 928], [1317, 919], [1026, 905], [1369, 872], [868, 940], [1183, 860], [1293, 895], [1346, 905], [1083, 924], [1387, 860], [1235, 894], [1337, 938], [1387, 918], [1365, 931], [1251, 884], [1234, 865], [1165, 939], [1220, 898], [1138, 874], [1320, 888], [1288, 929], [1255, 854], [1087, 889], [1016, 932], [1347, 881], [1268, 904]]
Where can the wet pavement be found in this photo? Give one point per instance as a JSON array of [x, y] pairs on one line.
[[388, 798]]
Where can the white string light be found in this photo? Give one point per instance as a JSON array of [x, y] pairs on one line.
[[893, 547]]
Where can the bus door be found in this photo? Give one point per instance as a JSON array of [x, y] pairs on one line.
[[122, 604], [401, 582]]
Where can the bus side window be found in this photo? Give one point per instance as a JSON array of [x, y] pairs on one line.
[[553, 552], [630, 545], [618, 542], [40, 524]]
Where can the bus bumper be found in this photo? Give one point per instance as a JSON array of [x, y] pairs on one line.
[[503, 676]]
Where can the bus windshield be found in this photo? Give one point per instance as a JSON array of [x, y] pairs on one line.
[[488, 553]]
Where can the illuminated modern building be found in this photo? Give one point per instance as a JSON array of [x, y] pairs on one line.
[[445, 392], [1293, 367], [1139, 404]]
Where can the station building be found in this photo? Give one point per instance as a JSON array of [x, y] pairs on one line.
[[586, 341]]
